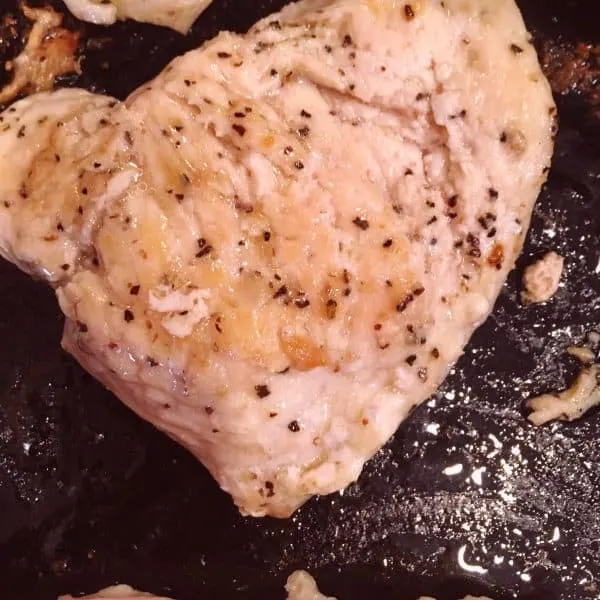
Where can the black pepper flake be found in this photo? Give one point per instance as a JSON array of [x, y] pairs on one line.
[[209, 410], [328, 48], [397, 209], [266, 235], [503, 137], [377, 326], [204, 250], [331, 309], [299, 165], [294, 426], [239, 129], [302, 302], [361, 223], [282, 291], [409, 13], [432, 220], [483, 222], [288, 150], [262, 391], [151, 361], [347, 41], [493, 193], [128, 138], [97, 165], [57, 158], [128, 316], [65, 267], [239, 115], [421, 96], [187, 82], [305, 114], [460, 115], [515, 49], [60, 227], [410, 360], [223, 54], [492, 232], [403, 304], [83, 328], [435, 353], [347, 292], [134, 290], [422, 373], [430, 204], [269, 487], [388, 243], [419, 291], [304, 131], [21, 132], [179, 197], [452, 201], [351, 87]]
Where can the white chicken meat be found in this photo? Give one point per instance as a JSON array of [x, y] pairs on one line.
[[279, 247]]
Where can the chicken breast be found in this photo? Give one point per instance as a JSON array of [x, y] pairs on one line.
[[177, 14], [120, 592], [279, 247], [300, 586]]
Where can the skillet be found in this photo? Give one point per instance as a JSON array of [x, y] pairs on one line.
[[467, 497]]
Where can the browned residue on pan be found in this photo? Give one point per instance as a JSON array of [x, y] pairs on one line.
[[50, 51], [573, 68]]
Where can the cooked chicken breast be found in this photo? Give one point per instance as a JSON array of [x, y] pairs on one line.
[[278, 247], [177, 14], [300, 586], [120, 592]]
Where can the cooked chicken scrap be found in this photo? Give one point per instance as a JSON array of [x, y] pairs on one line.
[[301, 586], [50, 51], [574, 402], [177, 14], [542, 278], [278, 247]]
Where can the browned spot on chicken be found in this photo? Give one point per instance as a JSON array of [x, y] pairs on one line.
[[302, 351]]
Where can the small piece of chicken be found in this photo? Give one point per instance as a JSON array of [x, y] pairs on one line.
[[279, 247], [574, 402], [177, 14], [50, 51], [542, 278]]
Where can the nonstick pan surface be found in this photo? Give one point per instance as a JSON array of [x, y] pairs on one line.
[[467, 497]]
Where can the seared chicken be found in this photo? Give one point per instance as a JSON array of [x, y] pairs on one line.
[[177, 14], [279, 247]]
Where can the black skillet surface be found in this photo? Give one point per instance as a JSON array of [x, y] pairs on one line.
[[467, 497]]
